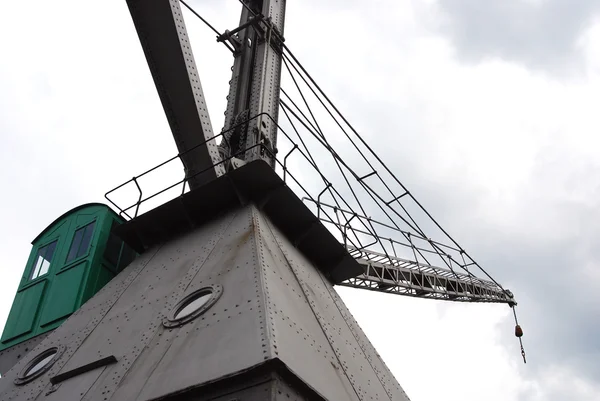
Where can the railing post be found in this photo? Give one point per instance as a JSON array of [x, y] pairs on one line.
[[137, 207], [285, 161], [319, 200]]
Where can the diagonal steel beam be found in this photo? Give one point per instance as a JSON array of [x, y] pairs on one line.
[[162, 33]]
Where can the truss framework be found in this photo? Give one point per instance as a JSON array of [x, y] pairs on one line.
[[385, 273], [382, 272], [400, 254]]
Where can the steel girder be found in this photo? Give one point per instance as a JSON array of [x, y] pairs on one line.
[[386, 273], [255, 82], [163, 35]]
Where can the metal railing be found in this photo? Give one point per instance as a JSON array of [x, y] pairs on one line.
[[385, 269], [132, 210]]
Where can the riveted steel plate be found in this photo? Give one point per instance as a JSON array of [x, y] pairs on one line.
[[277, 312], [10, 356], [257, 183], [353, 357]]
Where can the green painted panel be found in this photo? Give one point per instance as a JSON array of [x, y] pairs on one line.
[[44, 303], [56, 229], [85, 217], [23, 312], [63, 294]]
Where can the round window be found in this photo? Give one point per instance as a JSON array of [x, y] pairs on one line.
[[193, 306], [37, 366]]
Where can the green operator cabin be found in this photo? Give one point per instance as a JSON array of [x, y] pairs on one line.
[[71, 260]]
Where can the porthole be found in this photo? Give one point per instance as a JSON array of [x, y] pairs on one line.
[[193, 305], [38, 365]]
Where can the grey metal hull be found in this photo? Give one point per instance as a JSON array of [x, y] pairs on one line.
[[278, 318]]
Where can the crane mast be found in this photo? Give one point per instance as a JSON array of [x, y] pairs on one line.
[[253, 100]]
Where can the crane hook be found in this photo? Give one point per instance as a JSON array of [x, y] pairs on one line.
[[519, 334], [518, 331]]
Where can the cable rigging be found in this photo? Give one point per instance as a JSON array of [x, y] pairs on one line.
[[342, 204]]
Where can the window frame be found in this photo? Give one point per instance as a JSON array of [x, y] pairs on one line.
[[29, 277], [170, 320], [87, 252], [24, 377]]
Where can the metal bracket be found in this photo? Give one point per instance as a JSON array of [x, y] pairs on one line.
[[255, 82], [233, 37]]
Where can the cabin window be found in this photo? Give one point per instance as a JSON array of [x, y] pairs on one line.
[[81, 242], [43, 260]]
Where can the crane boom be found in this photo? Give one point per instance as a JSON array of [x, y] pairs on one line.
[[385, 273], [254, 92]]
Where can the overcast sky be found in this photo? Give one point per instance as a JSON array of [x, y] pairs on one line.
[[487, 110]]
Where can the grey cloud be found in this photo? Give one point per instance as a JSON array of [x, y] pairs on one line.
[[539, 34], [558, 301], [559, 314], [558, 307]]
